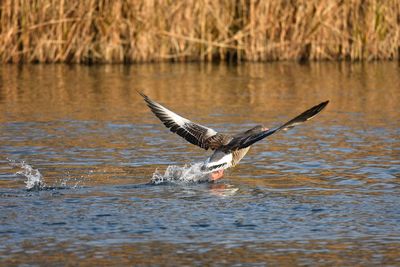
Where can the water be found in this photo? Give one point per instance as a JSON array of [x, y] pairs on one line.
[[79, 148], [180, 175], [34, 179]]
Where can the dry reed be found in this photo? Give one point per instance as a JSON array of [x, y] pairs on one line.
[[107, 31]]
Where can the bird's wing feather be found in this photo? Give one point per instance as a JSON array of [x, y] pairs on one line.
[[194, 133], [247, 140]]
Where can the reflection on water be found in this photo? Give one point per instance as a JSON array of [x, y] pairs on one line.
[[323, 193]]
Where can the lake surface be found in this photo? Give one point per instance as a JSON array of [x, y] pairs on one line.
[[324, 193]]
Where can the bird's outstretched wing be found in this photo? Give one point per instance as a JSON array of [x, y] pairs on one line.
[[196, 134], [245, 141]]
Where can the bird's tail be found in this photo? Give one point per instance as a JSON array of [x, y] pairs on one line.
[[218, 161]]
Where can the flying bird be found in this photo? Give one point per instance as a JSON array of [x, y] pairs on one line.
[[228, 149]]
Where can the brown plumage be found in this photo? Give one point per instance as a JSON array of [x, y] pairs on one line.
[[229, 149]]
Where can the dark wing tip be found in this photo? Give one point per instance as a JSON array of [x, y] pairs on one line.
[[150, 103], [320, 106], [308, 114], [143, 95], [324, 104]]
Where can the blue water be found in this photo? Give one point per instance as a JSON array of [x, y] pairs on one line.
[[326, 192]]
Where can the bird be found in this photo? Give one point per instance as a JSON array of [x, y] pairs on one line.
[[229, 149]]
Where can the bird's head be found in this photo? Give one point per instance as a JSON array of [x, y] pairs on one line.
[[257, 129]]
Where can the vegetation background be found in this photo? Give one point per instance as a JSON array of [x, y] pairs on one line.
[[124, 31]]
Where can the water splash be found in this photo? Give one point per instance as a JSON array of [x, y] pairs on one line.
[[175, 174], [34, 179], [69, 182]]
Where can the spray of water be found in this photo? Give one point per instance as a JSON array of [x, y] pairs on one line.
[[175, 174], [34, 179]]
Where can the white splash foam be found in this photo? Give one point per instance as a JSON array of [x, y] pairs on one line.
[[34, 179], [175, 174], [69, 182]]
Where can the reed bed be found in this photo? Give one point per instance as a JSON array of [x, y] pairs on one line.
[[118, 31]]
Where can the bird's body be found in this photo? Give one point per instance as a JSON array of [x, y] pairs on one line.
[[224, 158], [228, 149]]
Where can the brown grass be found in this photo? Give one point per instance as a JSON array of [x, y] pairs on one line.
[[108, 31]]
